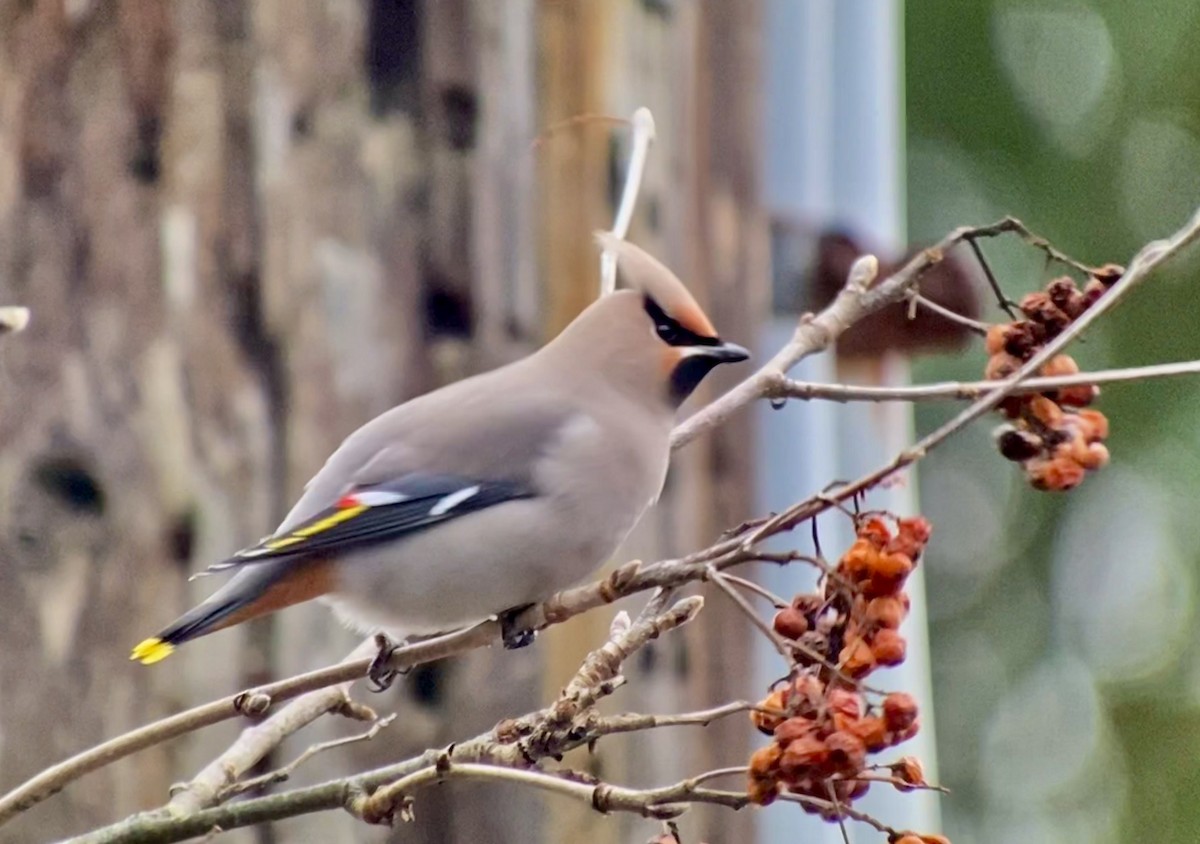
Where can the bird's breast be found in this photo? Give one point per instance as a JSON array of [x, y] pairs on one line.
[[602, 474]]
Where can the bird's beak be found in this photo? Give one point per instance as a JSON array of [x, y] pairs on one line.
[[724, 353]]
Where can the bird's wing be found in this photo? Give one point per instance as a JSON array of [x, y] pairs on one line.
[[379, 513]]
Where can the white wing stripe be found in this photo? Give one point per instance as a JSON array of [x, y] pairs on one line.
[[378, 498], [449, 502]]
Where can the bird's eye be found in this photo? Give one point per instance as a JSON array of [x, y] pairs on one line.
[[669, 332]]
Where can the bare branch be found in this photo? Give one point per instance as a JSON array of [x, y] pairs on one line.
[[783, 387], [973, 325], [282, 774], [13, 319], [255, 743], [1142, 265], [643, 135]]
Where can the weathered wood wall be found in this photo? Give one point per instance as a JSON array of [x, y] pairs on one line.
[[244, 228]]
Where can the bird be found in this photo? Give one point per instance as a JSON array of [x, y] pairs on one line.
[[492, 493]]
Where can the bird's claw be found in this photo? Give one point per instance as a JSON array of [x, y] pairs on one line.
[[513, 636], [380, 673]]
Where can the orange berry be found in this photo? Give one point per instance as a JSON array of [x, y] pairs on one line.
[[934, 839], [900, 736], [1058, 474], [792, 729], [1091, 456], [912, 535], [899, 710], [765, 760], [875, 531], [790, 623], [1046, 412], [765, 722], [847, 753], [908, 770], [856, 658], [1000, 366], [859, 559], [907, 839], [802, 756], [1059, 365], [1093, 424], [1109, 274], [1080, 395], [1039, 309], [872, 731], [1097, 457], [888, 575], [996, 335], [888, 647], [845, 702], [853, 789], [1064, 293], [762, 791], [807, 690], [887, 611]]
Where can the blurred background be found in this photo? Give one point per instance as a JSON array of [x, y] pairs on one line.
[[246, 226]]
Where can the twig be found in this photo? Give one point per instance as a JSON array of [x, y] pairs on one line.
[[599, 669], [282, 774], [662, 803], [781, 644], [631, 722], [13, 319], [1002, 300], [1142, 265], [784, 387], [643, 135], [53, 779], [859, 298], [833, 798], [1039, 242], [750, 586], [980, 328], [255, 743]]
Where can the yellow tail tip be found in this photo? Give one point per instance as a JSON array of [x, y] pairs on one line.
[[151, 651]]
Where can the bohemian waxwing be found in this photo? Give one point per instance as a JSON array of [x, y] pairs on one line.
[[491, 493]]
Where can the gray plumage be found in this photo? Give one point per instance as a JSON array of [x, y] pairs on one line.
[[498, 490]]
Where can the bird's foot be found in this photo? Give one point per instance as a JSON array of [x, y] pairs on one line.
[[380, 673], [513, 636]]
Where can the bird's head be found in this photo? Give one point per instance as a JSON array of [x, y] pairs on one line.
[[651, 337]]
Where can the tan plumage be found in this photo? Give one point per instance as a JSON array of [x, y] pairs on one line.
[[493, 492]]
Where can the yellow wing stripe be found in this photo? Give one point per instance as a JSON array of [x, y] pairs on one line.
[[297, 536]]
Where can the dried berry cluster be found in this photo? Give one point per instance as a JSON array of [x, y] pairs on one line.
[[1055, 441], [823, 726]]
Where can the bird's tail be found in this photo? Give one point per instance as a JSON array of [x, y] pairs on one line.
[[202, 619], [257, 589]]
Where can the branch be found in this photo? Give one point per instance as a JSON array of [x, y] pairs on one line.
[[13, 319], [643, 135], [859, 298], [500, 746], [212, 784], [785, 388], [1143, 264]]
